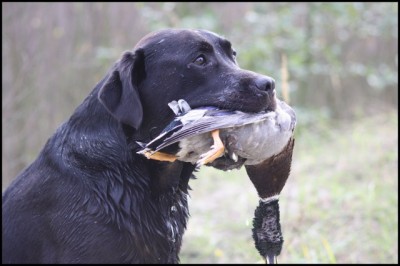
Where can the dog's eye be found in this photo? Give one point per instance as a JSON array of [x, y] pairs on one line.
[[200, 60], [234, 54]]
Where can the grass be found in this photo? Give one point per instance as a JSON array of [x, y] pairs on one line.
[[340, 204]]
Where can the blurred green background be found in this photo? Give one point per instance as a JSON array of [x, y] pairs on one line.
[[340, 204]]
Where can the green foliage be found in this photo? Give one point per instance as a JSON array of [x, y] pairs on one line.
[[336, 51]]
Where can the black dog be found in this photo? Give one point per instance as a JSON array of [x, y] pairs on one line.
[[88, 197]]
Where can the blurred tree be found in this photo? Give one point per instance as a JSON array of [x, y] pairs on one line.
[[342, 58]]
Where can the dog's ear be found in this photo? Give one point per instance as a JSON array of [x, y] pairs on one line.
[[119, 93]]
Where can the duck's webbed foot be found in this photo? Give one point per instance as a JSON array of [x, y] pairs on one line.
[[217, 150], [160, 156]]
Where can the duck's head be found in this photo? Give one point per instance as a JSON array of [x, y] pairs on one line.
[[269, 178]]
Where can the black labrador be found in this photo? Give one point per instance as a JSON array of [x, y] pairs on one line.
[[88, 197]]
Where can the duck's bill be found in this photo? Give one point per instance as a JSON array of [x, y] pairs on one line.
[[271, 259]]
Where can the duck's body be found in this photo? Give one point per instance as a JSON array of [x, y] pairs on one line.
[[246, 138], [263, 142]]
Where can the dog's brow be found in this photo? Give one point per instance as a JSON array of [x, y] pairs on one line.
[[205, 46], [225, 44]]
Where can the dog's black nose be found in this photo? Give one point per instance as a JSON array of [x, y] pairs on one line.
[[265, 83]]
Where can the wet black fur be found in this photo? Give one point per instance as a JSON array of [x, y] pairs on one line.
[[88, 197]]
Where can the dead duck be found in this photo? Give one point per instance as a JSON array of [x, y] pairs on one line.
[[240, 138], [263, 142]]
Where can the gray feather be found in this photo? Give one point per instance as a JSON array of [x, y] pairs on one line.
[[210, 123]]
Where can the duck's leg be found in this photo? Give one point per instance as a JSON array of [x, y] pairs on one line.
[[217, 149], [160, 156]]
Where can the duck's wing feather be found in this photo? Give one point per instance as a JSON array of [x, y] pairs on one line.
[[215, 119], [174, 126], [178, 123]]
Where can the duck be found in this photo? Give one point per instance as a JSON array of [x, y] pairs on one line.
[[225, 139]]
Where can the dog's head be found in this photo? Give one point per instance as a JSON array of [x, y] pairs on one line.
[[196, 65]]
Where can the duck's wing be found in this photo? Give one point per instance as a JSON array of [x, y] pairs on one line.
[[212, 120], [174, 126], [177, 124]]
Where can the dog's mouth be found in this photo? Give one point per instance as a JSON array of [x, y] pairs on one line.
[[263, 103]]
